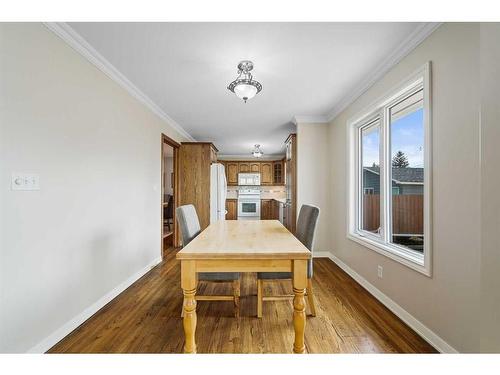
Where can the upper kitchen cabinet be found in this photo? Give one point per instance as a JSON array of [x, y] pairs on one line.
[[266, 174], [255, 167], [232, 169], [244, 167], [278, 172]]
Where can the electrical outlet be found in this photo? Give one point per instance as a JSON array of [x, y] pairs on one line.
[[380, 271]]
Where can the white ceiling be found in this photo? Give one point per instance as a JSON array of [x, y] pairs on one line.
[[305, 69]]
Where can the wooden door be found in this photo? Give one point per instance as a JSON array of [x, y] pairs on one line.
[[232, 173], [266, 174], [255, 167], [244, 167], [232, 209]]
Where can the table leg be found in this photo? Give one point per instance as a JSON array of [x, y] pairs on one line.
[[299, 304], [188, 284]]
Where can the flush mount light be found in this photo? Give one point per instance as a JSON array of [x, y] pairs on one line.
[[245, 87], [257, 152]]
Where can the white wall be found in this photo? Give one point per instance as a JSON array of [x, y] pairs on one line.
[[313, 185], [448, 302], [95, 223]]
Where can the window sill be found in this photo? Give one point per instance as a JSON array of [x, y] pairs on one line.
[[407, 258]]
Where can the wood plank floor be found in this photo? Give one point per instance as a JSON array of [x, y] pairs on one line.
[[146, 319]]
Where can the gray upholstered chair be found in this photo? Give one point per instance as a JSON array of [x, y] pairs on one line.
[[305, 232], [190, 228]]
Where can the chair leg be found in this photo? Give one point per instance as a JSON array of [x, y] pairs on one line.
[[310, 297], [236, 292], [259, 298], [182, 309]]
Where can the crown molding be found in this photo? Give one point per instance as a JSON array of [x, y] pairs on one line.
[[250, 157], [79, 44], [404, 48], [318, 119]]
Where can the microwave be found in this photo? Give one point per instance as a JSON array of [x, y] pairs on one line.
[[249, 179]]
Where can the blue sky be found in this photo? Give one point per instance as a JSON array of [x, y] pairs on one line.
[[407, 135]]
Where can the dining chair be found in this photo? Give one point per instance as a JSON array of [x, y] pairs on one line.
[[305, 233], [190, 228]]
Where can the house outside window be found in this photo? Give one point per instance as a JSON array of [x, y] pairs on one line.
[[390, 174]]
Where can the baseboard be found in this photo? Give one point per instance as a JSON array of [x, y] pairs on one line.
[[71, 325], [321, 254], [428, 335]]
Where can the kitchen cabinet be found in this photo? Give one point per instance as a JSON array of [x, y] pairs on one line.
[[244, 167], [232, 209], [195, 159], [266, 174], [266, 209], [255, 167], [232, 169], [272, 172]]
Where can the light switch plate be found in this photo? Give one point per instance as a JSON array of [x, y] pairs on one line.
[[25, 181]]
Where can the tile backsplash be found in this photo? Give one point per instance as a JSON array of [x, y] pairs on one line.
[[266, 192]]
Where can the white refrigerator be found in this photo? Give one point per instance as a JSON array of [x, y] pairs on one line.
[[218, 192]]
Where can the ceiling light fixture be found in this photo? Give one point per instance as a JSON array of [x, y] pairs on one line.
[[257, 152], [245, 87]]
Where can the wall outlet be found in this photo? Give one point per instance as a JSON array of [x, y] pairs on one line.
[[380, 271]]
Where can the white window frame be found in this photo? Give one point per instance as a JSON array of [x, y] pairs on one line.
[[421, 79]]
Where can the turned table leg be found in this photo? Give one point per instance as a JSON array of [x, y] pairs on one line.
[[299, 304], [188, 284]]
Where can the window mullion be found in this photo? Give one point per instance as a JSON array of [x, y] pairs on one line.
[[385, 192]]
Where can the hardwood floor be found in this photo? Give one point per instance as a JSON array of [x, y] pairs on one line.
[[145, 318]]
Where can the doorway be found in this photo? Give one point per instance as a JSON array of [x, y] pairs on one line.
[[169, 194]]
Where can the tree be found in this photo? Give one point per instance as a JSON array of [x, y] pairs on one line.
[[400, 160]]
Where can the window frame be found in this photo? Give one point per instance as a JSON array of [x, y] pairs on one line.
[[419, 80]]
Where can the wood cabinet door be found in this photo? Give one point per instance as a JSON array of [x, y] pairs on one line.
[[265, 209], [232, 173], [232, 209], [278, 177], [255, 167], [244, 167], [266, 170]]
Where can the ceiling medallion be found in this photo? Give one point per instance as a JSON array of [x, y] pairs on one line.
[[257, 152], [245, 87]]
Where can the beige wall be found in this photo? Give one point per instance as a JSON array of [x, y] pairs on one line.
[[490, 183], [313, 177], [95, 223], [448, 302]]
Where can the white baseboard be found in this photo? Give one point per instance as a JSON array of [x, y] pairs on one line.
[[69, 326], [321, 254], [428, 335]]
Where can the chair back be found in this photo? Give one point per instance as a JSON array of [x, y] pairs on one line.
[[169, 211], [306, 230], [188, 222], [306, 225]]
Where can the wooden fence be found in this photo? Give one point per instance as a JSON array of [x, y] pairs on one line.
[[407, 213]]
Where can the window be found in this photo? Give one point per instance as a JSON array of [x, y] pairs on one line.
[[389, 174]]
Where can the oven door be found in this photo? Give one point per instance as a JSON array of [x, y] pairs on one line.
[[249, 207]]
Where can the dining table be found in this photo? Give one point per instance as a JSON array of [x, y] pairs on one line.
[[244, 246]]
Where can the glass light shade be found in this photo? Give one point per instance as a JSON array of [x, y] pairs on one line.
[[257, 154], [245, 91]]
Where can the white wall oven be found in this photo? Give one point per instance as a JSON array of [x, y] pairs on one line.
[[249, 204]]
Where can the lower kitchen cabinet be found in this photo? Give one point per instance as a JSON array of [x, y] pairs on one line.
[[269, 209], [232, 209]]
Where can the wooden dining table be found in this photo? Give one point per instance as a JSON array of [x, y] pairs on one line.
[[244, 246]]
